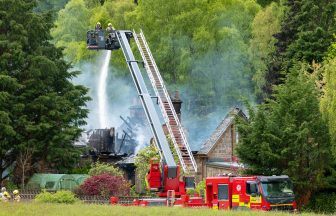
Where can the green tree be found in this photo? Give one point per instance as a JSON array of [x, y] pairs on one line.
[[288, 135], [7, 86], [201, 44], [47, 5], [328, 101], [265, 24], [306, 33], [46, 109], [70, 30], [264, 3]]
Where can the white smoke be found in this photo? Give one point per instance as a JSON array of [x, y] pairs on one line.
[[110, 97], [143, 136]]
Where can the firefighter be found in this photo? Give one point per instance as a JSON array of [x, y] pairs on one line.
[[17, 197], [109, 31], [98, 26], [109, 28], [5, 196]]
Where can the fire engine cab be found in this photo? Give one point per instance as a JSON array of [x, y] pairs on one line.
[[252, 192]]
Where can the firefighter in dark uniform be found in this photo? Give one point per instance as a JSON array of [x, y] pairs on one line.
[[109, 31]]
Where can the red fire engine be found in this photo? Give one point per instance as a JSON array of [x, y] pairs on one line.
[[252, 192]]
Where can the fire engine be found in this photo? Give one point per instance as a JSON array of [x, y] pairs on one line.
[[250, 192]]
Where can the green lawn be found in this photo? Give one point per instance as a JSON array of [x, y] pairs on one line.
[[38, 209]]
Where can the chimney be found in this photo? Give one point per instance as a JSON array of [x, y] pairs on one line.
[[177, 103]]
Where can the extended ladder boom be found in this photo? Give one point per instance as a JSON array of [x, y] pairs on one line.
[[175, 129], [147, 102]]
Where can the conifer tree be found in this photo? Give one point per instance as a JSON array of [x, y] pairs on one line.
[[40, 108], [306, 33], [288, 135]]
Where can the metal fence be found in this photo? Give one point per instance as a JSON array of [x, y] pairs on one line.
[[29, 195]]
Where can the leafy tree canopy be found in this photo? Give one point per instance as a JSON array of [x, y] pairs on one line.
[[265, 24]]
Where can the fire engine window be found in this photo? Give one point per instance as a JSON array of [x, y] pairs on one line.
[[223, 192], [251, 188]]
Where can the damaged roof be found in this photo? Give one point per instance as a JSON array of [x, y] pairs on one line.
[[221, 128]]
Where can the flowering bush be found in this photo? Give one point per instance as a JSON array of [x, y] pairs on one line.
[[105, 185]]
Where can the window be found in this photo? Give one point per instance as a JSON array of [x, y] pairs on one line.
[[251, 188], [278, 188], [223, 192], [189, 182]]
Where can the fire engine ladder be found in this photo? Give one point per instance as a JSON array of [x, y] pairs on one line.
[[147, 103], [175, 129]]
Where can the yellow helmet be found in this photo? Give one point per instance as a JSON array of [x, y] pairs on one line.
[[16, 192], [109, 25], [98, 23]]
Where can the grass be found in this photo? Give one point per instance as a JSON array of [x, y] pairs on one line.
[[40, 209]]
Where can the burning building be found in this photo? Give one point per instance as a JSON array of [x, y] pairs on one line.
[[118, 145]]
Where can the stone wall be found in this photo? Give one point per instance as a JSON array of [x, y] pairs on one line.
[[215, 171], [222, 151], [224, 147]]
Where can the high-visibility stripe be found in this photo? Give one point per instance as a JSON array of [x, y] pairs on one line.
[[274, 205], [235, 198]]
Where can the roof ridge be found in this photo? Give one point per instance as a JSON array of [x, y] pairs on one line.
[[220, 129]]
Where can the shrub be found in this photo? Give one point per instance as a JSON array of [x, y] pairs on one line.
[[142, 161], [104, 168], [45, 197], [323, 202], [59, 197], [200, 188], [105, 185], [191, 191]]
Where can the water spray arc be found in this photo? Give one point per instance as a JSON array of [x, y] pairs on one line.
[[102, 96]]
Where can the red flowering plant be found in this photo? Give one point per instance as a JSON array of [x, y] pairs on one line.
[[105, 185]]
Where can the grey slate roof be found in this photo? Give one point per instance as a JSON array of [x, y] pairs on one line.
[[221, 128]]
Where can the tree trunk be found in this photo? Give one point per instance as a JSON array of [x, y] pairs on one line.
[[23, 177], [1, 172]]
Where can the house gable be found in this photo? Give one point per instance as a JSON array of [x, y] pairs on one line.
[[220, 133], [217, 153], [223, 147]]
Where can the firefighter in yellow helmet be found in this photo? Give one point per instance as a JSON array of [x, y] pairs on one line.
[[109, 31], [17, 197], [109, 28], [98, 26], [5, 196]]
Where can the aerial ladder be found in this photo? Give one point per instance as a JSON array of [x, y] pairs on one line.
[[167, 178], [174, 126]]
